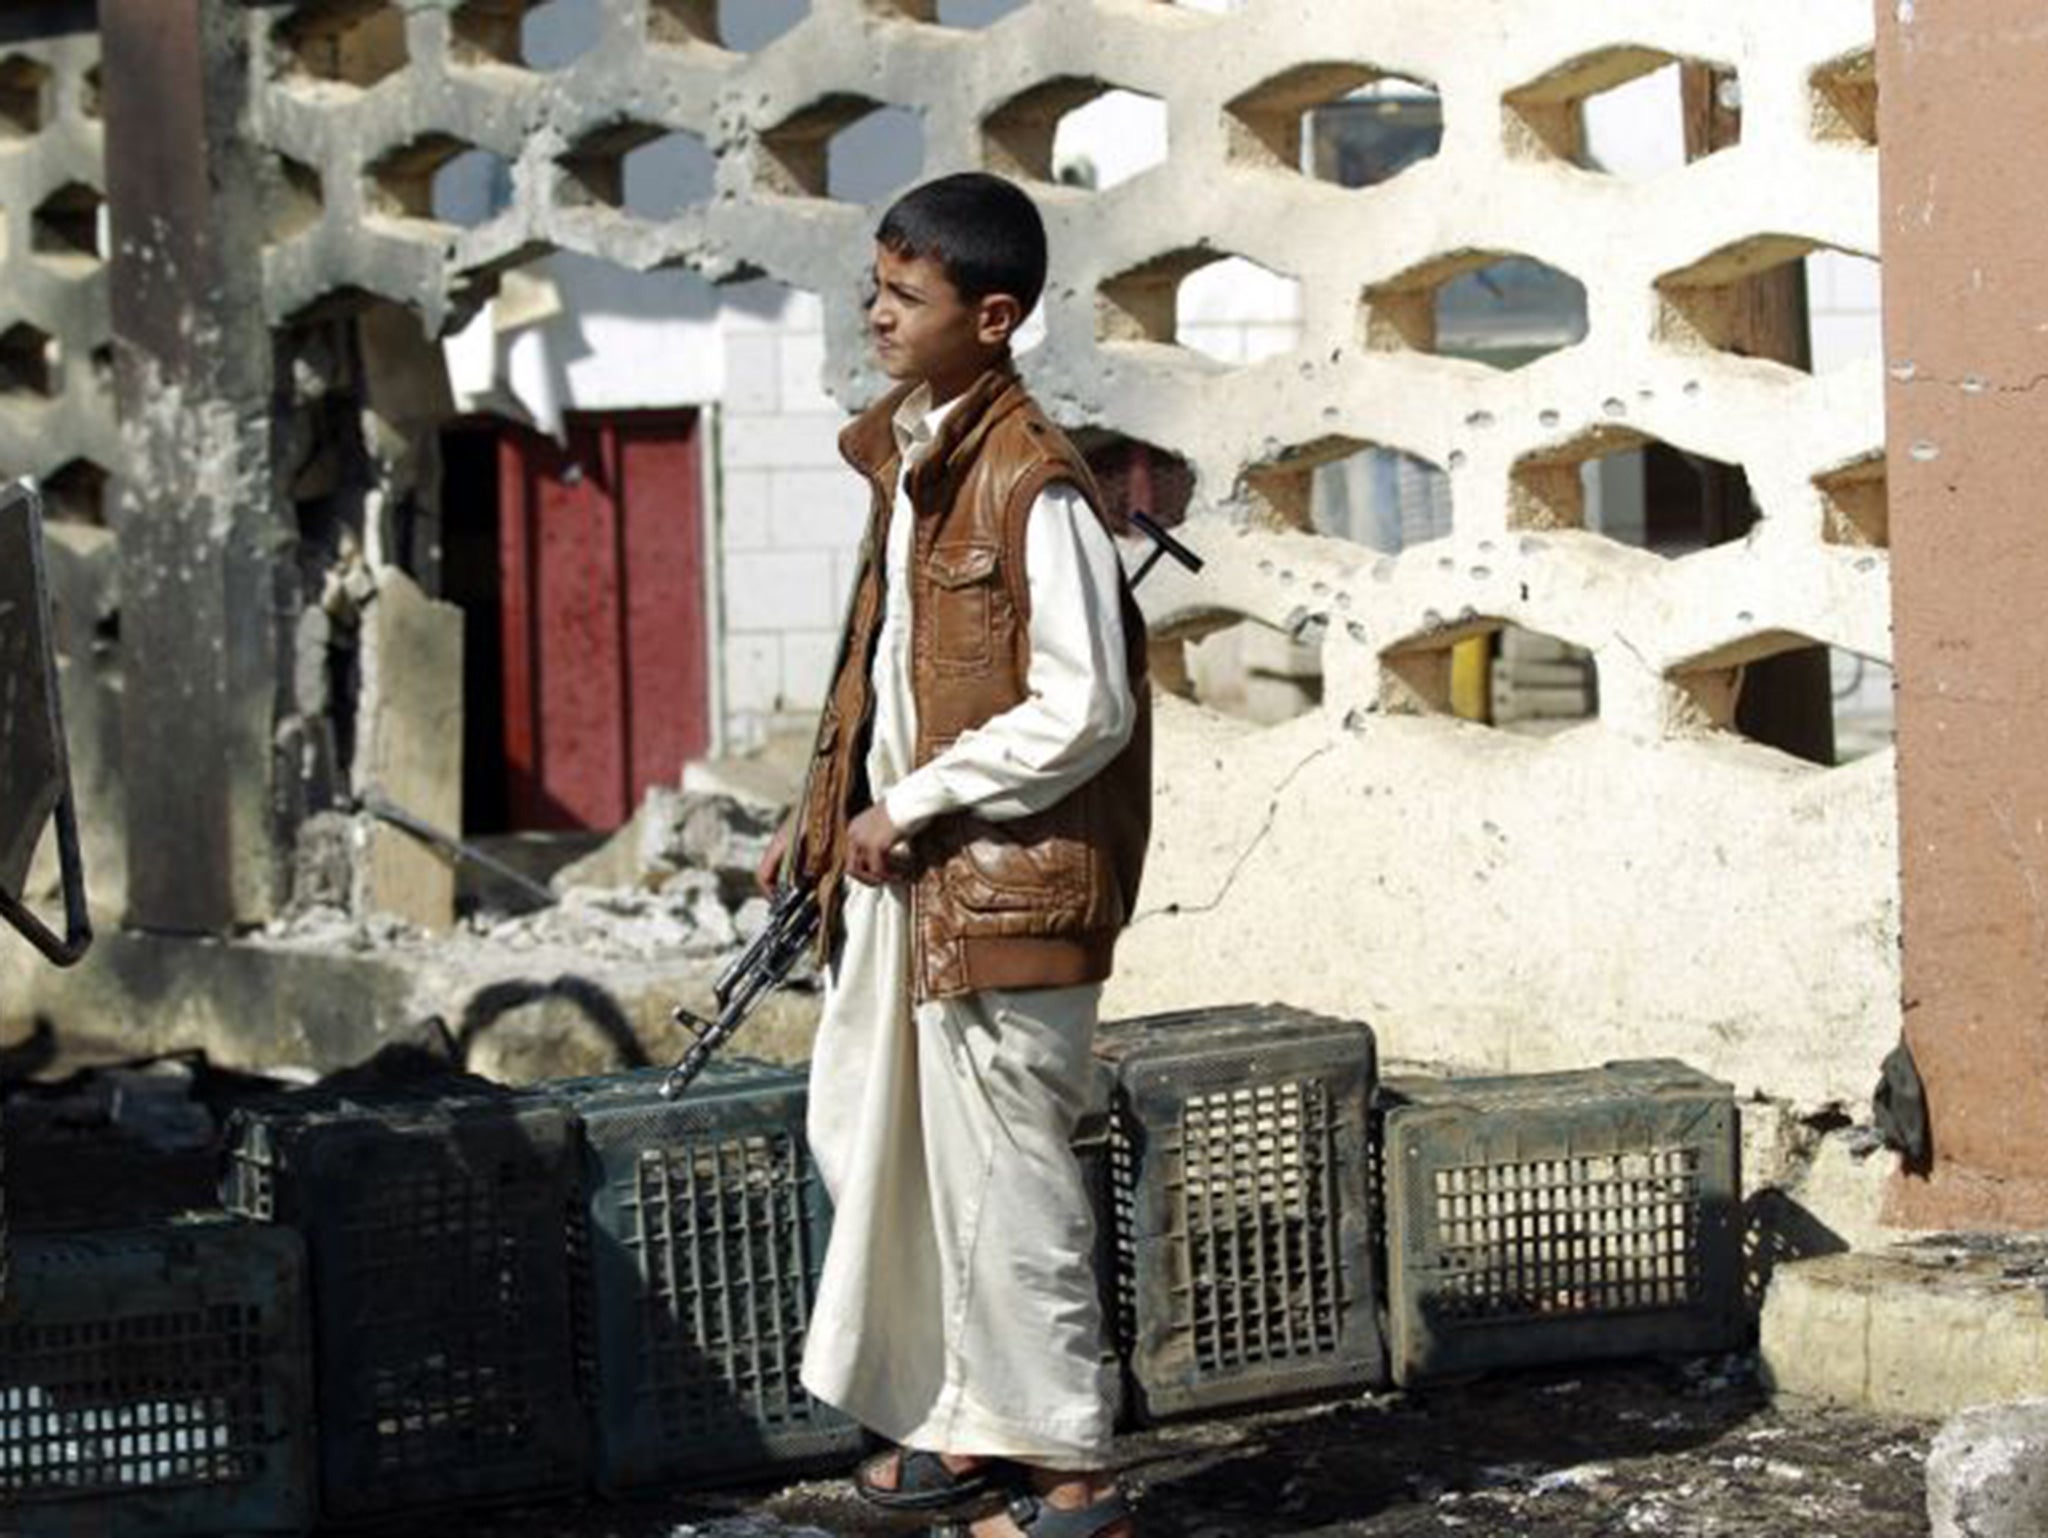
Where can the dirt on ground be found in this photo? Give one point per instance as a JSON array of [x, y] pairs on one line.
[[1692, 1449]]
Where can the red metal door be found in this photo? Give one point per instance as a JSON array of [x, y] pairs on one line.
[[602, 549]]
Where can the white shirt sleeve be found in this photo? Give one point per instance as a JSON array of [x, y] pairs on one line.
[[1077, 712]]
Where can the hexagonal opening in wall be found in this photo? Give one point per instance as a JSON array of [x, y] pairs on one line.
[[1843, 96], [346, 42], [1491, 672], [1756, 298], [1634, 489], [1281, 490], [1236, 311], [849, 148], [29, 361], [404, 182], [556, 33], [1784, 690], [486, 32], [529, 34], [24, 97], [1250, 670], [1346, 123], [1225, 307], [1017, 138], [69, 226], [471, 188], [1382, 498], [76, 492], [1854, 504], [1099, 140], [293, 200], [1136, 476], [973, 14], [744, 26], [1624, 112], [1490, 307], [662, 176], [594, 167]]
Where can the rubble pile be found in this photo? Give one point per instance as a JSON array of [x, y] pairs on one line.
[[675, 882]]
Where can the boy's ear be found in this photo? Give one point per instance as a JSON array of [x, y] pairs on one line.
[[997, 319]]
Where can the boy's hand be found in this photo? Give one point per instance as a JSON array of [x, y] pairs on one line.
[[770, 868], [872, 847]]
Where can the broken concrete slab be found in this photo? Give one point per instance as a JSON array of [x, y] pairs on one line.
[[676, 832], [412, 687], [640, 854], [1987, 1473], [1927, 1327], [769, 778]]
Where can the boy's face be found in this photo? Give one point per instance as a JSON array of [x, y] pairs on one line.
[[924, 330]]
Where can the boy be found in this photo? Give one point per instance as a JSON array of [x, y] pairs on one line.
[[982, 776]]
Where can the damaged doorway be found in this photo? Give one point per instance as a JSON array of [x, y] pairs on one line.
[[581, 568]]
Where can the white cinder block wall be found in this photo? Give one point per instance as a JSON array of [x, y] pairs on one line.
[[790, 522]]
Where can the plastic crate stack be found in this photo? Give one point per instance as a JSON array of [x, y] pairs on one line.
[[704, 1226], [1563, 1216], [156, 1382], [437, 1226], [1242, 1206], [477, 1294]]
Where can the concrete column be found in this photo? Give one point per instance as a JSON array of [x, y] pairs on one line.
[[203, 549], [1963, 94]]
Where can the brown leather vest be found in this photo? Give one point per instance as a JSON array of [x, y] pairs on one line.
[[1031, 902]]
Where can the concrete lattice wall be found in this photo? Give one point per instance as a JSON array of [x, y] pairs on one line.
[[56, 397], [57, 423], [1647, 882]]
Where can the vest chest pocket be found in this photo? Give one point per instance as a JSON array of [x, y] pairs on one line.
[[961, 581]]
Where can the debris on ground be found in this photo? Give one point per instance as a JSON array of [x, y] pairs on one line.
[[1987, 1473], [678, 881], [1688, 1450]]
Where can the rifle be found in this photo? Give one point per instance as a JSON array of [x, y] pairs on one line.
[[793, 915]]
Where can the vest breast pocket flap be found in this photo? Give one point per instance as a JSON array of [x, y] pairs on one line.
[[962, 578]]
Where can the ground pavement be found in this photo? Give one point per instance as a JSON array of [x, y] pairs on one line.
[[1689, 1449]]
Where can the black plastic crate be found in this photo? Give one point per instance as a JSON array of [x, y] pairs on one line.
[[705, 1229], [156, 1382], [1561, 1216], [1243, 1211], [437, 1230]]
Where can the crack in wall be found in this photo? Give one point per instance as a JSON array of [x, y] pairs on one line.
[[1244, 855]]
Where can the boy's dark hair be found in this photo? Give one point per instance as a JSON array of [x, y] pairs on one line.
[[984, 232]]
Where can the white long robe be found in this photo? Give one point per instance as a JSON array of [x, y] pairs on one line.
[[958, 1310]]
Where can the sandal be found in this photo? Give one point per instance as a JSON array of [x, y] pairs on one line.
[[1038, 1520], [923, 1482]]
